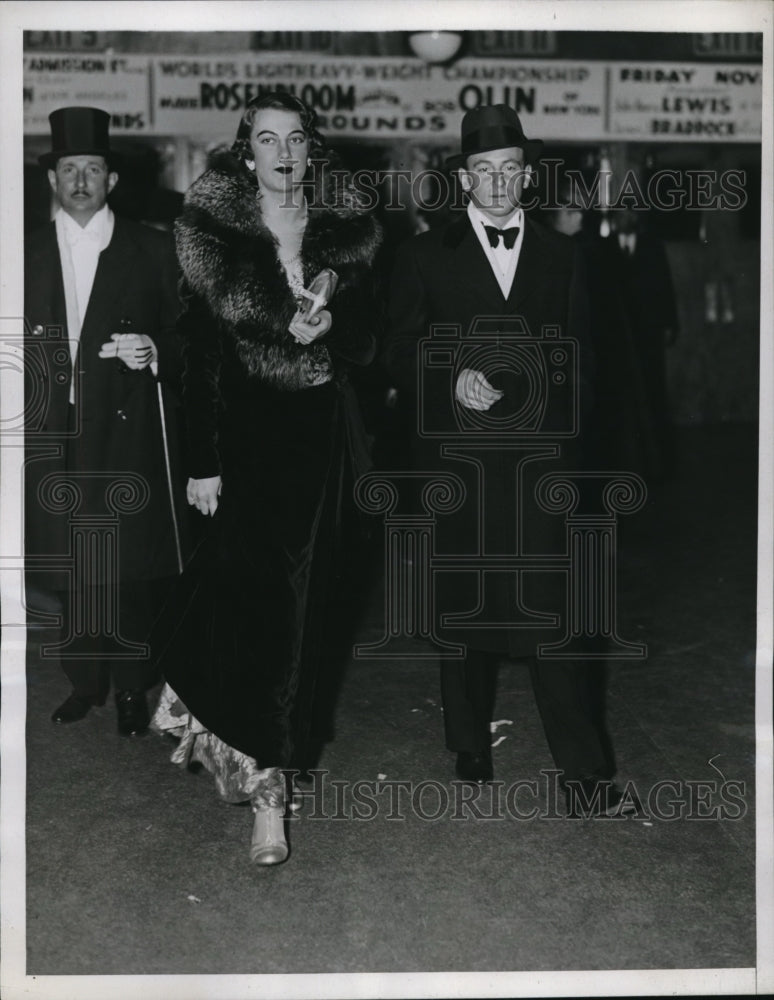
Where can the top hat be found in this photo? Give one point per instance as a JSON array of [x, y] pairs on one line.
[[493, 126], [76, 132]]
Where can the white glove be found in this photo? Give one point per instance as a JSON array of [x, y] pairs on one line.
[[136, 350]]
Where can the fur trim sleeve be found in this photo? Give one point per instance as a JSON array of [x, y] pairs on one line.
[[350, 248]]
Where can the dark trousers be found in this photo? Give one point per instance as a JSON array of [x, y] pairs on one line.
[[92, 662], [570, 696]]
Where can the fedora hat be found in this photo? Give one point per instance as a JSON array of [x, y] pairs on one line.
[[77, 132], [493, 126]]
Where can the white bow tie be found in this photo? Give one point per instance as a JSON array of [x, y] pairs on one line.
[[84, 236]]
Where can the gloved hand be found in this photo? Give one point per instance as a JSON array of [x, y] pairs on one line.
[[136, 350]]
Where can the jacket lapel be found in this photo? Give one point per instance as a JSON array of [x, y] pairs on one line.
[[471, 266], [112, 275], [45, 278], [532, 269]]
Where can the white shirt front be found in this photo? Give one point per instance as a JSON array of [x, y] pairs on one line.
[[502, 261], [79, 250]]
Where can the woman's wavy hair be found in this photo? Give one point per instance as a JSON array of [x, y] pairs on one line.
[[327, 184]]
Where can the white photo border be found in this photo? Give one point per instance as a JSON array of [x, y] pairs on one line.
[[566, 15]]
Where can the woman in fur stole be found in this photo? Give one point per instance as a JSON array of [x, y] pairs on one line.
[[275, 443]]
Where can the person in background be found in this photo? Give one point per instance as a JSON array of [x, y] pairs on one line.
[[275, 443], [634, 316], [101, 361], [565, 214]]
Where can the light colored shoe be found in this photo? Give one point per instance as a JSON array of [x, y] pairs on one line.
[[268, 846]]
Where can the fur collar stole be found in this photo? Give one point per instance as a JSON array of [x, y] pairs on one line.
[[229, 259]]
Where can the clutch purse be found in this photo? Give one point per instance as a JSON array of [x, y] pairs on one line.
[[318, 295]]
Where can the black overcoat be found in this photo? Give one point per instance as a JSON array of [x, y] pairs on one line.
[[114, 432], [533, 345]]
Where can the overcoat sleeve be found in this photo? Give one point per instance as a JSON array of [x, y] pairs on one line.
[[407, 320], [579, 328], [162, 252], [356, 309], [202, 357]]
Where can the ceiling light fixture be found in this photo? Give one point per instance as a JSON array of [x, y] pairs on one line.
[[435, 46]]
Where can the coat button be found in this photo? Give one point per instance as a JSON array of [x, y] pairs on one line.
[[121, 414]]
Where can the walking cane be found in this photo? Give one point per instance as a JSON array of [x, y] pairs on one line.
[[126, 325], [168, 467]]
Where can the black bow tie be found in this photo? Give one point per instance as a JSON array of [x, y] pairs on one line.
[[508, 235]]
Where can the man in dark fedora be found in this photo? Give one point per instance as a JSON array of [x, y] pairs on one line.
[[102, 488], [493, 274]]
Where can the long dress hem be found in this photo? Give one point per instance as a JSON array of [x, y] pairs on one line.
[[237, 776]]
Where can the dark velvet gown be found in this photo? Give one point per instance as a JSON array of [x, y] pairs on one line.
[[252, 602], [279, 423]]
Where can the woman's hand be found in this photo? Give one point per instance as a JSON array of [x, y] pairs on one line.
[[203, 494], [305, 331]]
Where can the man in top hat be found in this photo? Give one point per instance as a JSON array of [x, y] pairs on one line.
[[492, 274], [100, 304]]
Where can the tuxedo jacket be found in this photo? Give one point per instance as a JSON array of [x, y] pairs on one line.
[[109, 445], [446, 313]]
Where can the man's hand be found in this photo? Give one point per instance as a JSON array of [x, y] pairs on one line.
[[305, 331], [474, 391], [136, 350], [203, 494]]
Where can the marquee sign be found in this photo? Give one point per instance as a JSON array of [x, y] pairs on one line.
[[680, 102], [119, 84], [376, 97]]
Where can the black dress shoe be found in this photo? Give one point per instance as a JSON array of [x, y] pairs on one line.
[[133, 717], [474, 767], [593, 797], [71, 710]]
